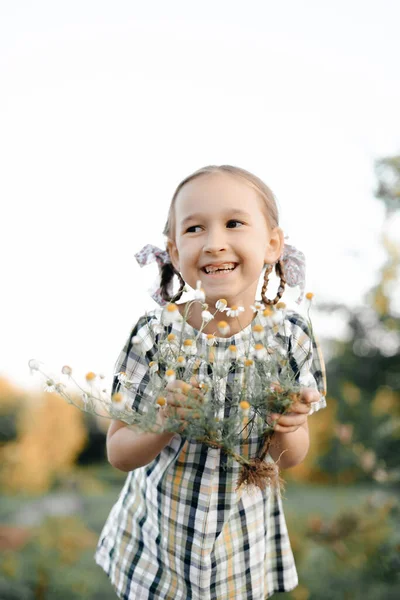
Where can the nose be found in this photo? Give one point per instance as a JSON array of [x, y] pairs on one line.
[[215, 241]]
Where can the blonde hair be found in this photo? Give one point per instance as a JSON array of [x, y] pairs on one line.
[[255, 182]]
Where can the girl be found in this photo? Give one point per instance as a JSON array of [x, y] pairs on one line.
[[179, 530]]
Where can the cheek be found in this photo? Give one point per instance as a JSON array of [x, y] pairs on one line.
[[187, 248]]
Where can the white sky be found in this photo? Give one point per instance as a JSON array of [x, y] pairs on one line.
[[106, 106]]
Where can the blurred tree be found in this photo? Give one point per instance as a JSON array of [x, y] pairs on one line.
[[364, 374], [48, 434]]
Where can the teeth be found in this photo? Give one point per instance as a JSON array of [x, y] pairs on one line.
[[224, 267]]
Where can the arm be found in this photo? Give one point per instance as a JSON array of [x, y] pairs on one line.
[[291, 435], [129, 449], [294, 446]]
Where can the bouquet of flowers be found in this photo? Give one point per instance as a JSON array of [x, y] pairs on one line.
[[263, 383]]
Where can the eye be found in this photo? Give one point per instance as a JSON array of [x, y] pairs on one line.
[[233, 223], [192, 229]]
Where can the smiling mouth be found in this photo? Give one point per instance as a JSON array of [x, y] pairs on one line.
[[223, 268]]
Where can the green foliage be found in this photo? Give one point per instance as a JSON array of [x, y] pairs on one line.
[[352, 554], [57, 562]]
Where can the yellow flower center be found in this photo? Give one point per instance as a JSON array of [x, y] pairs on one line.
[[281, 305], [172, 307], [244, 405], [152, 363], [90, 376], [180, 359], [267, 312], [258, 347], [171, 337], [169, 372], [232, 348], [222, 325], [161, 401], [248, 362], [223, 301], [210, 336], [309, 295], [117, 397], [258, 328], [234, 307], [188, 343]]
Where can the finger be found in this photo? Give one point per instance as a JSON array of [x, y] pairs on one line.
[[282, 429], [176, 398], [308, 395], [194, 381], [178, 385], [299, 407], [291, 420], [185, 414]]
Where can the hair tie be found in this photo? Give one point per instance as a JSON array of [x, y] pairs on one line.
[[294, 264], [147, 255]]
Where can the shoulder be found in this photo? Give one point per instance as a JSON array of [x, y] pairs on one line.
[[298, 332], [298, 325], [145, 329]]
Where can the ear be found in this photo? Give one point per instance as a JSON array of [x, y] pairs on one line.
[[275, 246], [174, 254]]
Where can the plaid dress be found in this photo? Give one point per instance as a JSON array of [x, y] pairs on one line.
[[179, 530]]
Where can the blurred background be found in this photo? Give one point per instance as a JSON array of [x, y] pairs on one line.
[[104, 108]]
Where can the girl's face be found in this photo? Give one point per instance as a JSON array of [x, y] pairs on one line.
[[222, 237]]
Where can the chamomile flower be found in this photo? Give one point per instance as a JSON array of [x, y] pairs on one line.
[[223, 327], [258, 332], [34, 365], [211, 340], [189, 347], [118, 401], [244, 407], [248, 363], [181, 361], [278, 315], [257, 306], [199, 293], [309, 296], [122, 377], [153, 367], [171, 337], [206, 316], [171, 314], [90, 377], [274, 317], [156, 328], [221, 304], [231, 352], [170, 375], [50, 385], [260, 351], [161, 401], [234, 311]]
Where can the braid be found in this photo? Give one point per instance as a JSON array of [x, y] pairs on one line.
[[167, 274], [279, 270]]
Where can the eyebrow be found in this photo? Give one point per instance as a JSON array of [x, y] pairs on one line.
[[231, 214]]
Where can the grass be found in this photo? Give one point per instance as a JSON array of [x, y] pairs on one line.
[[98, 487]]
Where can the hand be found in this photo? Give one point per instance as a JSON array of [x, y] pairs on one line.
[[182, 400], [291, 421]]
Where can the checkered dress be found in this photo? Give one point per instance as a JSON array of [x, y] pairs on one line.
[[179, 530]]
